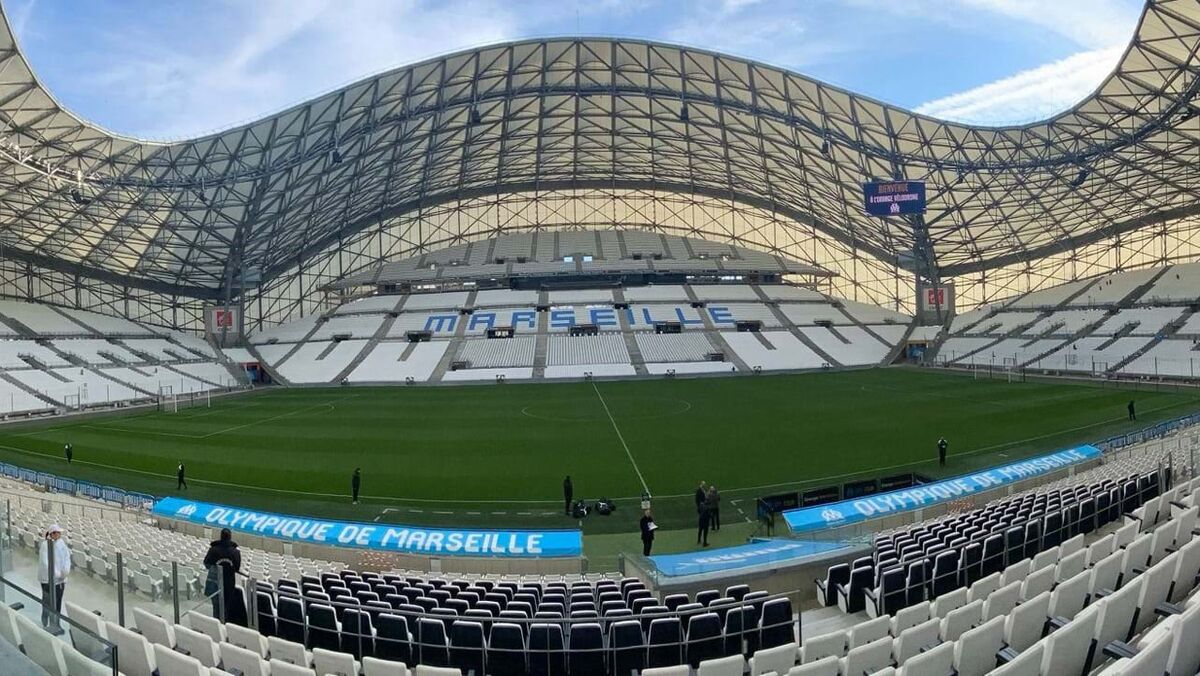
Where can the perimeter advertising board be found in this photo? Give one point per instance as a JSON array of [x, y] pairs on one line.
[[378, 536], [881, 504]]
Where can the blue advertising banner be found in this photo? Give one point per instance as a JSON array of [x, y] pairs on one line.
[[378, 536], [894, 198], [741, 556], [837, 514]]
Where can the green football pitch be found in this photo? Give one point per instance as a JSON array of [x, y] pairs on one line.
[[496, 454]]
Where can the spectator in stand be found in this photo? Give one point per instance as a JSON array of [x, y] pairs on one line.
[[356, 483], [648, 527], [224, 559], [62, 568]]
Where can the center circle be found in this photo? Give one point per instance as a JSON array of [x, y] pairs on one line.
[[643, 408]]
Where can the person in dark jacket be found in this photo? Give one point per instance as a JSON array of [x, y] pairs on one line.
[[69, 451], [714, 508], [224, 559], [942, 445], [180, 482], [1132, 410], [356, 483], [647, 526], [701, 495], [703, 514], [568, 493]]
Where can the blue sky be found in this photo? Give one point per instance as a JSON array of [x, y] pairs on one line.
[[164, 70]]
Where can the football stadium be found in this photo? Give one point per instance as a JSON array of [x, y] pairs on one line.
[[599, 356]]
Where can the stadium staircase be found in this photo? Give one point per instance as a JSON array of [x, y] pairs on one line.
[[631, 344], [541, 345], [22, 386], [268, 368], [1169, 331], [1125, 331], [22, 330], [75, 320], [791, 328], [1081, 333], [1082, 290], [380, 334], [287, 355], [715, 337], [131, 386], [456, 343], [867, 329], [1131, 298], [898, 349], [972, 353]]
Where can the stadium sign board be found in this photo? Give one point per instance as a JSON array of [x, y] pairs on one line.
[[378, 536], [773, 553], [834, 515], [894, 198]]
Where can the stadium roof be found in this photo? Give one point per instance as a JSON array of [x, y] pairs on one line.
[[595, 113]]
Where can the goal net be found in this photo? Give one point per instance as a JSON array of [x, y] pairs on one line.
[[71, 402], [167, 401], [1010, 368]]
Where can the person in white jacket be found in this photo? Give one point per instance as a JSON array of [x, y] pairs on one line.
[[62, 568]]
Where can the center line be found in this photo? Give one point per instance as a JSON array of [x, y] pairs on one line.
[[622, 438]]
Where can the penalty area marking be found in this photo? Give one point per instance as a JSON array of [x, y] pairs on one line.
[[287, 414]]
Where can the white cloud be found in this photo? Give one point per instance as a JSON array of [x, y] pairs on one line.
[[1094, 24], [1029, 95], [770, 32], [280, 52]]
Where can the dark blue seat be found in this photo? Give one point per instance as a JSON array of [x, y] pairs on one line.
[[506, 650], [323, 628], [467, 645], [432, 647], [627, 647], [775, 627], [665, 643], [826, 588], [291, 624], [547, 650], [585, 650], [945, 573], [392, 638], [704, 640], [358, 634], [851, 598]]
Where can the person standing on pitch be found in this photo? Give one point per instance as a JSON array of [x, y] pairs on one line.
[[568, 493], [714, 508], [648, 527], [62, 568], [355, 484], [942, 452], [69, 451], [701, 495], [180, 482], [1132, 411]]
